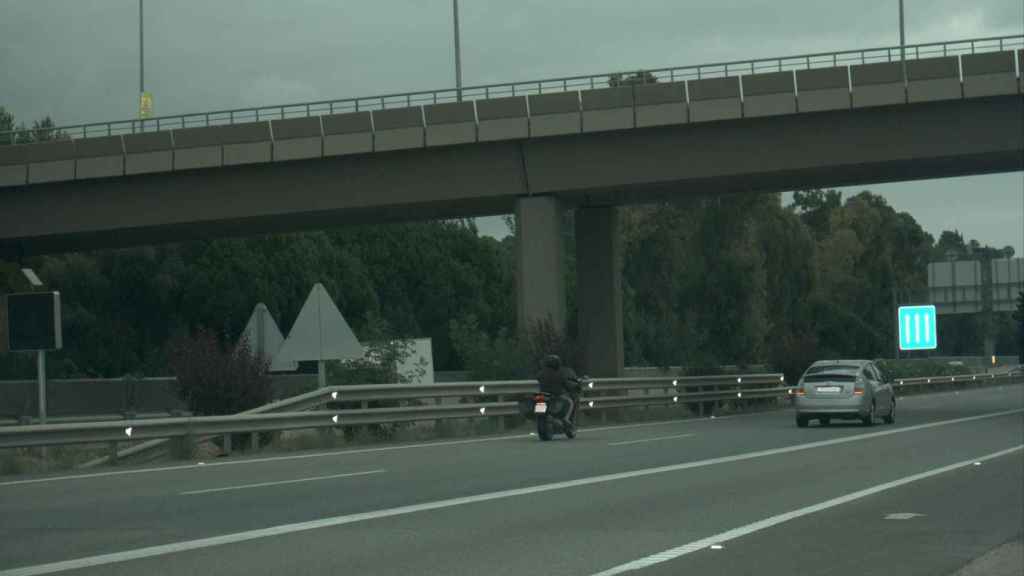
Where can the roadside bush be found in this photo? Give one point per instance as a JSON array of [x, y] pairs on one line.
[[919, 368], [216, 378]]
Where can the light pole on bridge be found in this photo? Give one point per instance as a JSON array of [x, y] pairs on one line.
[[458, 51], [903, 59]]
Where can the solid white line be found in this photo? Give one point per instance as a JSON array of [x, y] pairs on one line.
[[195, 466], [164, 549], [295, 481], [628, 442], [717, 539]]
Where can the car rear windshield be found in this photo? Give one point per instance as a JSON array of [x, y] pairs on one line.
[[833, 368], [830, 377]]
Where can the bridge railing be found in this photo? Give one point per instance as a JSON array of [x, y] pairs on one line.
[[544, 86]]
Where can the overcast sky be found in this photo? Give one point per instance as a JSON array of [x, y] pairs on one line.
[[77, 60]]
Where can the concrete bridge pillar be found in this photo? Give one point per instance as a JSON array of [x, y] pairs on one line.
[[540, 277], [599, 290]]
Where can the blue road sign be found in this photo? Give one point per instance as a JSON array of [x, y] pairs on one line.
[[918, 328]]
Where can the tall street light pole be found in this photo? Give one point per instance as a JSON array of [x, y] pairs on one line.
[[142, 85], [458, 51], [903, 60]]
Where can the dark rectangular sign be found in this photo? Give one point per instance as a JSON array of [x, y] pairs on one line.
[[34, 321]]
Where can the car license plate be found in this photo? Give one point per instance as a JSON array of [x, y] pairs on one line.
[[829, 389], [540, 408]]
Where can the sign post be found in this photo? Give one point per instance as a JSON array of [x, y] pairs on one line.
[[34, 325], [918, 328]]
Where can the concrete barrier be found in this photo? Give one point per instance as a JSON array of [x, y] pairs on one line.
[[450, 123], [398, 129], [99, 157], [297, 138], [931, 79], [823, 89], [769, 94], [247, 143], [196, 148], [607, 109], [13, 165], [660, 104], [148, 153], [554, 114], [51, 161], [349, 133], [877, 84], [715, 99], [503, 119], [990, 74]]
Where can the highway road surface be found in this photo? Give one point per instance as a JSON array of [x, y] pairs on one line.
[[750, 494]]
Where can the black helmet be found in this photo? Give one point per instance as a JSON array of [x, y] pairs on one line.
[[552, 361]]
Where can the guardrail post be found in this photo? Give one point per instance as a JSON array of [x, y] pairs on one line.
[[254, 441], [501, 419], [112, 452], [227, 445]]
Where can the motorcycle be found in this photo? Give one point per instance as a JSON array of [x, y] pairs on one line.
[[549, 413]]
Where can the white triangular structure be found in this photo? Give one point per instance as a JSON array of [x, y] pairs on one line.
[[265, 339], [320, 333]]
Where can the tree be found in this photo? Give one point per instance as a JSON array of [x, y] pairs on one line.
[[640, 77], [214, 378]]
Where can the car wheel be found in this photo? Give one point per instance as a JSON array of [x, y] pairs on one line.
[[869, 420], [801, 421], [824, 421], [890, 418]]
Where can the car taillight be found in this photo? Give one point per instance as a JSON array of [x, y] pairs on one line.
[[858, 391], [800, 392]]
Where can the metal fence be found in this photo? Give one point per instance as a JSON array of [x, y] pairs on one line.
[[525, 88], [351, 405]]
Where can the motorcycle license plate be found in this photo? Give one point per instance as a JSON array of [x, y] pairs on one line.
[[540, 408]]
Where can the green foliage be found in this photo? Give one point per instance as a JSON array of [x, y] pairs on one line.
[[919, 368], [217, 378]]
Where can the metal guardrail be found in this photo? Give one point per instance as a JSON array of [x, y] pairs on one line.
[[545, 86], [662, 391]]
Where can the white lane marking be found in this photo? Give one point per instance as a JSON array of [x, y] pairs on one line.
[[164, 549], [280, 482], [330, 454], [717, 539], [642, 440], [902, 515]]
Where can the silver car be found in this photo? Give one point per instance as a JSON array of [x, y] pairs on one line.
[[844, 389]]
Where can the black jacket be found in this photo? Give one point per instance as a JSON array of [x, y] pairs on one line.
[[557, 382]]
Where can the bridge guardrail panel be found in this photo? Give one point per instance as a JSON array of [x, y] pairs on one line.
[[100, 157], [450, 123], [196, 148], [660, 104], [823, 89], [988, 74], [148, 153], [51, 161], [504, 118], [769, 94], [297, 138], [13, 164], [933, 79], [607, 109], [554, 114], [398, 129], [348, 133], [877, 84], [715, 99]]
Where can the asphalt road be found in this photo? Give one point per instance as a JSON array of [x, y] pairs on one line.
[[750, 494]]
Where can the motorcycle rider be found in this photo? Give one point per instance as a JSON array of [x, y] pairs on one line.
[[561, 382]]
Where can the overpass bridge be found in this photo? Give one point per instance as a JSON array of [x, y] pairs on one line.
[[587, 143]]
